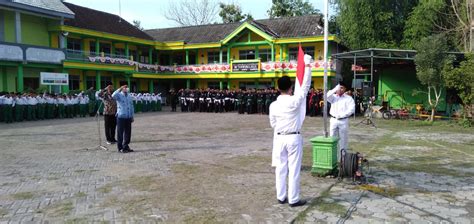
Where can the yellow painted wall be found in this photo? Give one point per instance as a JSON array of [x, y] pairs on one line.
[[143, 85], [54, 40], [255, 37]]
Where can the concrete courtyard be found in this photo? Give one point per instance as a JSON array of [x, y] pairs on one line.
[[215, 168]]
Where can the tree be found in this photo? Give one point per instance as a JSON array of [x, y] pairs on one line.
[[231, 13], [461, 79], [450, 17], [290, 8], [138, 24], [192, 12], [372, 23], [431, 63]]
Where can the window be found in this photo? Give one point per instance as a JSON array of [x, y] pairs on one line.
[[246, 54], [265, 55], [90, 82], [74, 44], [132, 53], [212, 57], [105, 81], [105, 48], [293, 52], [74, 81], [216, 85], [119, 52], [92, 47]]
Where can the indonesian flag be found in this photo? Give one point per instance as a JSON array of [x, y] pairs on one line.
[[300, 67]]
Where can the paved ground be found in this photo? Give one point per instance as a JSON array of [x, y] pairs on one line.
[[214, 168]]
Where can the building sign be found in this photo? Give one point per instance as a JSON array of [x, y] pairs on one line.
[[245, 66], [358, 68], [53, 79]]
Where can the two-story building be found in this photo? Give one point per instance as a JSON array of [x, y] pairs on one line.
[[99, 48]]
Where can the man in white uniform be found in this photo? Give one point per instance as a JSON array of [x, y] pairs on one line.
[[342, 107], [286, 119]]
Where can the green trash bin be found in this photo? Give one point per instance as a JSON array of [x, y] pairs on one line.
[[324, 155]]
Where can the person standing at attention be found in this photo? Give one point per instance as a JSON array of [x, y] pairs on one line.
[[110, 111], [286, 118], [125, 112]]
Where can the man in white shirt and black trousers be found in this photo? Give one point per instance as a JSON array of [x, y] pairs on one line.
[[286, 118], [342, 108]]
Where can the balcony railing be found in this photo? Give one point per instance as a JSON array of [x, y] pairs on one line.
[[235, 66], [30, 53]]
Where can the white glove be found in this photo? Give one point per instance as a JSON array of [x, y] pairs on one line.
[[307, 59]]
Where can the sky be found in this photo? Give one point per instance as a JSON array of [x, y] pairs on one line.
[[151, 12]]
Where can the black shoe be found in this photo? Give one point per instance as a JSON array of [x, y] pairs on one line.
[[122, 151], [299, 203], [129, 150], [283, 202]]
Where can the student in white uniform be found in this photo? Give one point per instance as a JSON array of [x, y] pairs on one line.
[[342, 107], [286, 118]]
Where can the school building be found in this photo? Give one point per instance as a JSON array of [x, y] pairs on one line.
[[96, 48]]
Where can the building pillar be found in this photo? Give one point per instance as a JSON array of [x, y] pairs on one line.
[[128, 81], [112, 49], [19, 79], [197, 57], [228, 55], [188, 83], [187, 57], [257, 55], [18, 27], [150, 56], [127, 51], [256, 84], [285, 49], [171, 58], [221, 85], [62, 38], [228, 84], [5, 78], [83, 81], [97, 80], [65, 88], [273, 82], [151, 87], [281, 53], [273, 52], [220, 55], [97, 46], [137, 55]]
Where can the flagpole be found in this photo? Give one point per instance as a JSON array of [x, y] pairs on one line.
[[325, 82]]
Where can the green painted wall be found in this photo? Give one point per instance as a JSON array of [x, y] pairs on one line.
[[34, 30], [396, 84], [9, 18], [11, 73]]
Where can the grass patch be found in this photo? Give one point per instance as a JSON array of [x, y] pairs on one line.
[[105, 189], [387, 192], [142, 183], [331, 207], [60, 210], [206, 216], [302, 215], [426, 167], [23, 196], [3, 212], [76, 221], [80, 195]]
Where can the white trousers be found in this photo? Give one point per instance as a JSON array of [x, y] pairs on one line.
[[340, 128], [288, 152]]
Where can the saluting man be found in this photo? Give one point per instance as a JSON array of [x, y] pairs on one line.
[[125, 114], [342, 107], [286, 118]]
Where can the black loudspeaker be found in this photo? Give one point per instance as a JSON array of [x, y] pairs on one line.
[[367, 89]]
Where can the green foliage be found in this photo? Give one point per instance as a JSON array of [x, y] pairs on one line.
[[422, 20], [138, 24], [462, 80], [431, 59], [431, 63], [372, 23], [231, 13], [290, 8]]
